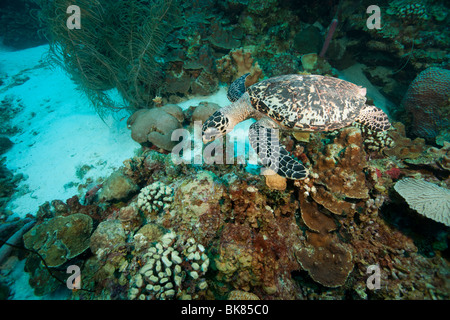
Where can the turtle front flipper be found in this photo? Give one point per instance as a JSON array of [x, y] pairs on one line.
[[237, 88], [374, 118], [264, 140]]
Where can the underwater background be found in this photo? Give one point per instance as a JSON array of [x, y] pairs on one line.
[[95, 206]]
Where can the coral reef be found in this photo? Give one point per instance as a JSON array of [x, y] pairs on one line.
[[157, 229], [156, 125], [229, 234]]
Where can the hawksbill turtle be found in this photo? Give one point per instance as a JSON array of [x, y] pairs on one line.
[[292, 102]]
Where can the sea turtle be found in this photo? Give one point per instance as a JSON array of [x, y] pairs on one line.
[[292, 102]]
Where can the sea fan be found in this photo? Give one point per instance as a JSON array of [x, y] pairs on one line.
[[426, 198]]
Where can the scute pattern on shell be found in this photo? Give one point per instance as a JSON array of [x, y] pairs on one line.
[[308, 102]]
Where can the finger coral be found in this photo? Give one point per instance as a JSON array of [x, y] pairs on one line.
[[170, 269], [155, 198]]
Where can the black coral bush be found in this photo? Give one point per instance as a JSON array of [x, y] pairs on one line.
[[116, 47]]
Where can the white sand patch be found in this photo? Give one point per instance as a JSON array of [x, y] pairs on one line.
[[60, 132]]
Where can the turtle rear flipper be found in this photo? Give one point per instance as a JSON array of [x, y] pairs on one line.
[[373, 118], [237, 88], [264, 140]]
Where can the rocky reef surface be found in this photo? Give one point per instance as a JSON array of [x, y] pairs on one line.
[[157, 230]]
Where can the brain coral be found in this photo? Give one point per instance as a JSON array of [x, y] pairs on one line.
[[427, 99], [156, 125], [426, 198]]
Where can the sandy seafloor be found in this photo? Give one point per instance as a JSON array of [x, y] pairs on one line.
[[60, 132]]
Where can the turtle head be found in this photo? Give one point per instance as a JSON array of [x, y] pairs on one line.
[[216, 126]]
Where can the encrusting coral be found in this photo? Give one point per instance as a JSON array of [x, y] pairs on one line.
[[162, 230], [116, 187], [237, 63], [107, 240], [340, 169], [70, 237]]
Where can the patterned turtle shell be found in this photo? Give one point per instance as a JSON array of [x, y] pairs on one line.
[[308, 102]]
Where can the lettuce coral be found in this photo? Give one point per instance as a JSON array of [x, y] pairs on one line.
[[61, 238]]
